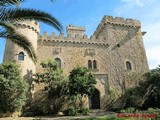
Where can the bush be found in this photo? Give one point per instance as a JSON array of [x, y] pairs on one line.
[[128, 110], [71, 111], [112, 98], [81, 82], [84, 111], [12, 88], [56, 87], [148, 90], [154, 111]]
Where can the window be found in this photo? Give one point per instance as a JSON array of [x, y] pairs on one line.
[[21, 56], [128, 65], [89, 64], [59, 62], [94, 64]]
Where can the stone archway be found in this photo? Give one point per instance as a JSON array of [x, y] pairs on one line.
[[95, 100]]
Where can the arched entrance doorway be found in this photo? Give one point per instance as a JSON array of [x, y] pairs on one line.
[[95, 100]]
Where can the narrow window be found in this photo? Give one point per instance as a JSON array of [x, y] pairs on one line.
[[21, 56], [59, 62], [128, 65], [89, 64], [94, 64]]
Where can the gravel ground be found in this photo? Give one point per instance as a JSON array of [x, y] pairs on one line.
[[92, 115]]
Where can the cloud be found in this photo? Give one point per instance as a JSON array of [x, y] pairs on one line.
[[152, 37], [138, 2], [152, 44], [129, 7], [152, 55], [147, 11]]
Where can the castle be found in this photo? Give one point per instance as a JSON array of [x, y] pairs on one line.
[[115, 48]]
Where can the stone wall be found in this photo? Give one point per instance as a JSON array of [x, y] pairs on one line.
[[114, 42], [125, 44]]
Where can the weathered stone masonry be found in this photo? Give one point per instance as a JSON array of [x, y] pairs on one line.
[[115, 48]]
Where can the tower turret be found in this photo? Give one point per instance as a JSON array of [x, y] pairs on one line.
[[29, 29], [75, 31]]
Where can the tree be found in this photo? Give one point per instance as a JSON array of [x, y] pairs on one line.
[[56, 86], [147, 94], [10, 14], [12, 88], [81, 82], [151, 87], [51, 73]]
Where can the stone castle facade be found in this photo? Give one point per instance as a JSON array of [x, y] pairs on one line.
[[115, 48]]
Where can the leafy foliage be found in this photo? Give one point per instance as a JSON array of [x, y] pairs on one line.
[[154, 111], [147, 94], [81, 82], [10, 14], [72, 111], [50, 75], [152, 88], [12, 88], [56, 85], [129, 110], [113, 96]]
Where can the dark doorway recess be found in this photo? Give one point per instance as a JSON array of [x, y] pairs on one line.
[[95, 100]]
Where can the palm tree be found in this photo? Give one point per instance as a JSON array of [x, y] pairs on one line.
[[9, 14]]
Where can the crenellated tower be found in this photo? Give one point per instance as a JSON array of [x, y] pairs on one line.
[[30, 29], [76, 31], [126, 52]]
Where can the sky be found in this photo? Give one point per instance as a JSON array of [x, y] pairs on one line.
[[89, 13]]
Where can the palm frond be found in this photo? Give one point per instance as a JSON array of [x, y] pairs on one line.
[[7, 26], [52, 0], [21, 41], [10, 2], [17, 14]]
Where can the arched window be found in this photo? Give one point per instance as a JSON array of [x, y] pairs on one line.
[[59, 62], [128, 65], [90, 64], [21, 56], [94, 64]]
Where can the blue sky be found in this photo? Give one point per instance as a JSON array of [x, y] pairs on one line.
[[89, 13]]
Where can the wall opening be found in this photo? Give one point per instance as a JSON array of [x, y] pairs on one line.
[[59, 62], [95, 100], [21, 56]]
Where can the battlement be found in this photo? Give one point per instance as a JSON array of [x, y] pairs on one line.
[[121, 21], [118, 21], [71, 39], [29, 24], [73, 30], [76, 34], [76, 28]]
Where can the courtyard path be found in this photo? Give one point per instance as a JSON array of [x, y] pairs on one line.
[[95, 113]]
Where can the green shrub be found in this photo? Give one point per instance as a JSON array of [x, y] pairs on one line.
[[123, 111], [13, 88], [148, 90], [71, 111], [128, 110], [154, 111], [81, 82], [84, 111], [56, 87]]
